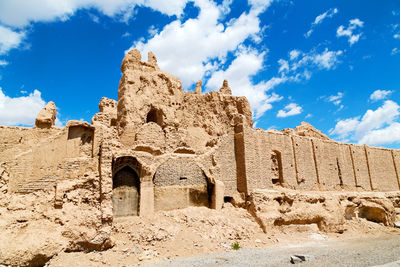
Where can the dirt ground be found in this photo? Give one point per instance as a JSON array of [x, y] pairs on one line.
[[382, 250], [169, 237]]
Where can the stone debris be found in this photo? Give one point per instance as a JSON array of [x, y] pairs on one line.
[[298, 258]]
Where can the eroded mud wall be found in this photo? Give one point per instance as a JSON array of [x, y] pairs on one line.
[[225, 156], [346, 169], [314, 164], [257, 158], [382, 169], [305, 163], [360, 167], [37, 158], [260, 169]]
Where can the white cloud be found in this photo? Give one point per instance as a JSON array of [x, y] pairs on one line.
[[354, 24], [396, 36], [20, 110], [10, 39], [325, 60], [247, 63], [320, 18], [126, 34], [294, 54], [388, 135], [395, 51], [46, 11], [376, 127], [344, 127], [284, 65], [380, 94], [335, 99], [94, 18], [3, 62], [289, 110], [260, 6], [190, 49]]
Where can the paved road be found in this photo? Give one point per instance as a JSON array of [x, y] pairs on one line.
[[356, 252]]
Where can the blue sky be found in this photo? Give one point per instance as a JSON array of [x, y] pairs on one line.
[[334, 64]]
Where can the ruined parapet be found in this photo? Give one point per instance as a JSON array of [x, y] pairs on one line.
[[225, 89], [152, 60], [147, 94], [47, 116], [108, 105], [144, 95], [306, 129], [197, 90], [108, 113]]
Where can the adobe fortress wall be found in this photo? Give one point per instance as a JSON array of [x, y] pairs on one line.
[[160, 148], [310, 163]]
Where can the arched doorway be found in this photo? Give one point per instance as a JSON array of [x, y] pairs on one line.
[[126, 189]]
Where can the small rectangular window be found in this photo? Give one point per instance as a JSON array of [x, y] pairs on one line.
[[183, 178]]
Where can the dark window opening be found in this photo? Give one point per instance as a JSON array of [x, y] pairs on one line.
[[155, 116], [227, 199], [275, 180], [183, 178]]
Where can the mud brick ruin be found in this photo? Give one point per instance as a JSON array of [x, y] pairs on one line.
[[160, 148]]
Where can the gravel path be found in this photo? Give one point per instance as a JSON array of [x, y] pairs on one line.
[[355, 252]]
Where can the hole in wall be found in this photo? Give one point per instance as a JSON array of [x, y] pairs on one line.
[[276, 167], [155, 115], [227, 199]]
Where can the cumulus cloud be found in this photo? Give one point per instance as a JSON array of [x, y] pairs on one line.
[[247, 63], [192, 48], [348, 32], [17, 15], [289, 110], [379, 95], [388, 135], [20, 110], [320, 18], [375, 127], [10, 39], [395, 51], [46, 11]]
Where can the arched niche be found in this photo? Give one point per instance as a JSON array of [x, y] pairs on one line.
[[180, 183], [276, 167], [126, 187], [155, 115]]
